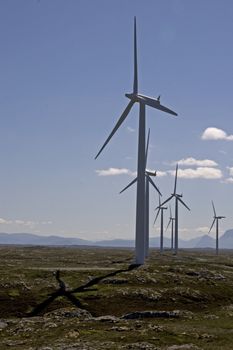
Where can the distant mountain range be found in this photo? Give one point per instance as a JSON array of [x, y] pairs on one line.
[[225, 241]]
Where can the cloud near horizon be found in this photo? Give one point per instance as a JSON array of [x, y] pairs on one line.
[[196, 162], [27, 223], [199, 173], [216, 134], [203, 229]]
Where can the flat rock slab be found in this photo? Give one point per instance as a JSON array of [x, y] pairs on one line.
[[184, 347], [150, 314], [3, 324]]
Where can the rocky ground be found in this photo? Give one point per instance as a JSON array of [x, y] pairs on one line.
[[98, 301]]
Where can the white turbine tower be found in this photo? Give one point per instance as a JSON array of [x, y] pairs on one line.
[[171, 221], [143, 100], [149, 181], [160, 209], [177, 200], [216, 218]]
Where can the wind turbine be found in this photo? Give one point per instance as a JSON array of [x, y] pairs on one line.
[[177, 200], [160, 209], [149, 181], [143, 102], [171, 221], [216, 218]]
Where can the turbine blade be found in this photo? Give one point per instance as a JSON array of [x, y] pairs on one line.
[[149, 101], [156, 217], [212, 225], [147, 146], [167, 200], [168, 224], [135, 83], [130, 184], [153, 184], [118, 124], [159, 201], [170, 211], [183, 203], [213, 208], [175, 179]]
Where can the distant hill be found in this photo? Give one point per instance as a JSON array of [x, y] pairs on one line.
[[31, 239], [205, 241], [226, 240]]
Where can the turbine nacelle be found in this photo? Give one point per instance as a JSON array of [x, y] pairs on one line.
[[177, 195], [174, 194], [133, 97], [149, 101], [151, 173]]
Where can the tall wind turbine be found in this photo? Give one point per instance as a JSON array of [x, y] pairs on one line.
[[160, 209], [177, 200], [149, 181], [143, 101], [171, 221], [216, 218]]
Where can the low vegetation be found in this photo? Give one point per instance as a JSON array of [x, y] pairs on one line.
[[188, 299]]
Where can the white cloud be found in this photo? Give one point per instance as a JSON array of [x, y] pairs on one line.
[[26, 223], [196, 162], [184, 229], [19, 222], [230, 170], [230, 178], [130, 129], [216, 134], [4, 222], [199, 173], [46, 223], [113, 172], [161, 173], [202, 229]]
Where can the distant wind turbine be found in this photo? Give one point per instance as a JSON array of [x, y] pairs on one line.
[[177, 200], [160, 209], [171, 221], [143, 101], [149, 181], [216, 218]]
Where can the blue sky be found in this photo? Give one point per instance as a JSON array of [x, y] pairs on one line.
[[65, 67]]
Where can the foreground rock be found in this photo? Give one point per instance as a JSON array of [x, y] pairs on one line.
[[150, 314], [184, 347]]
